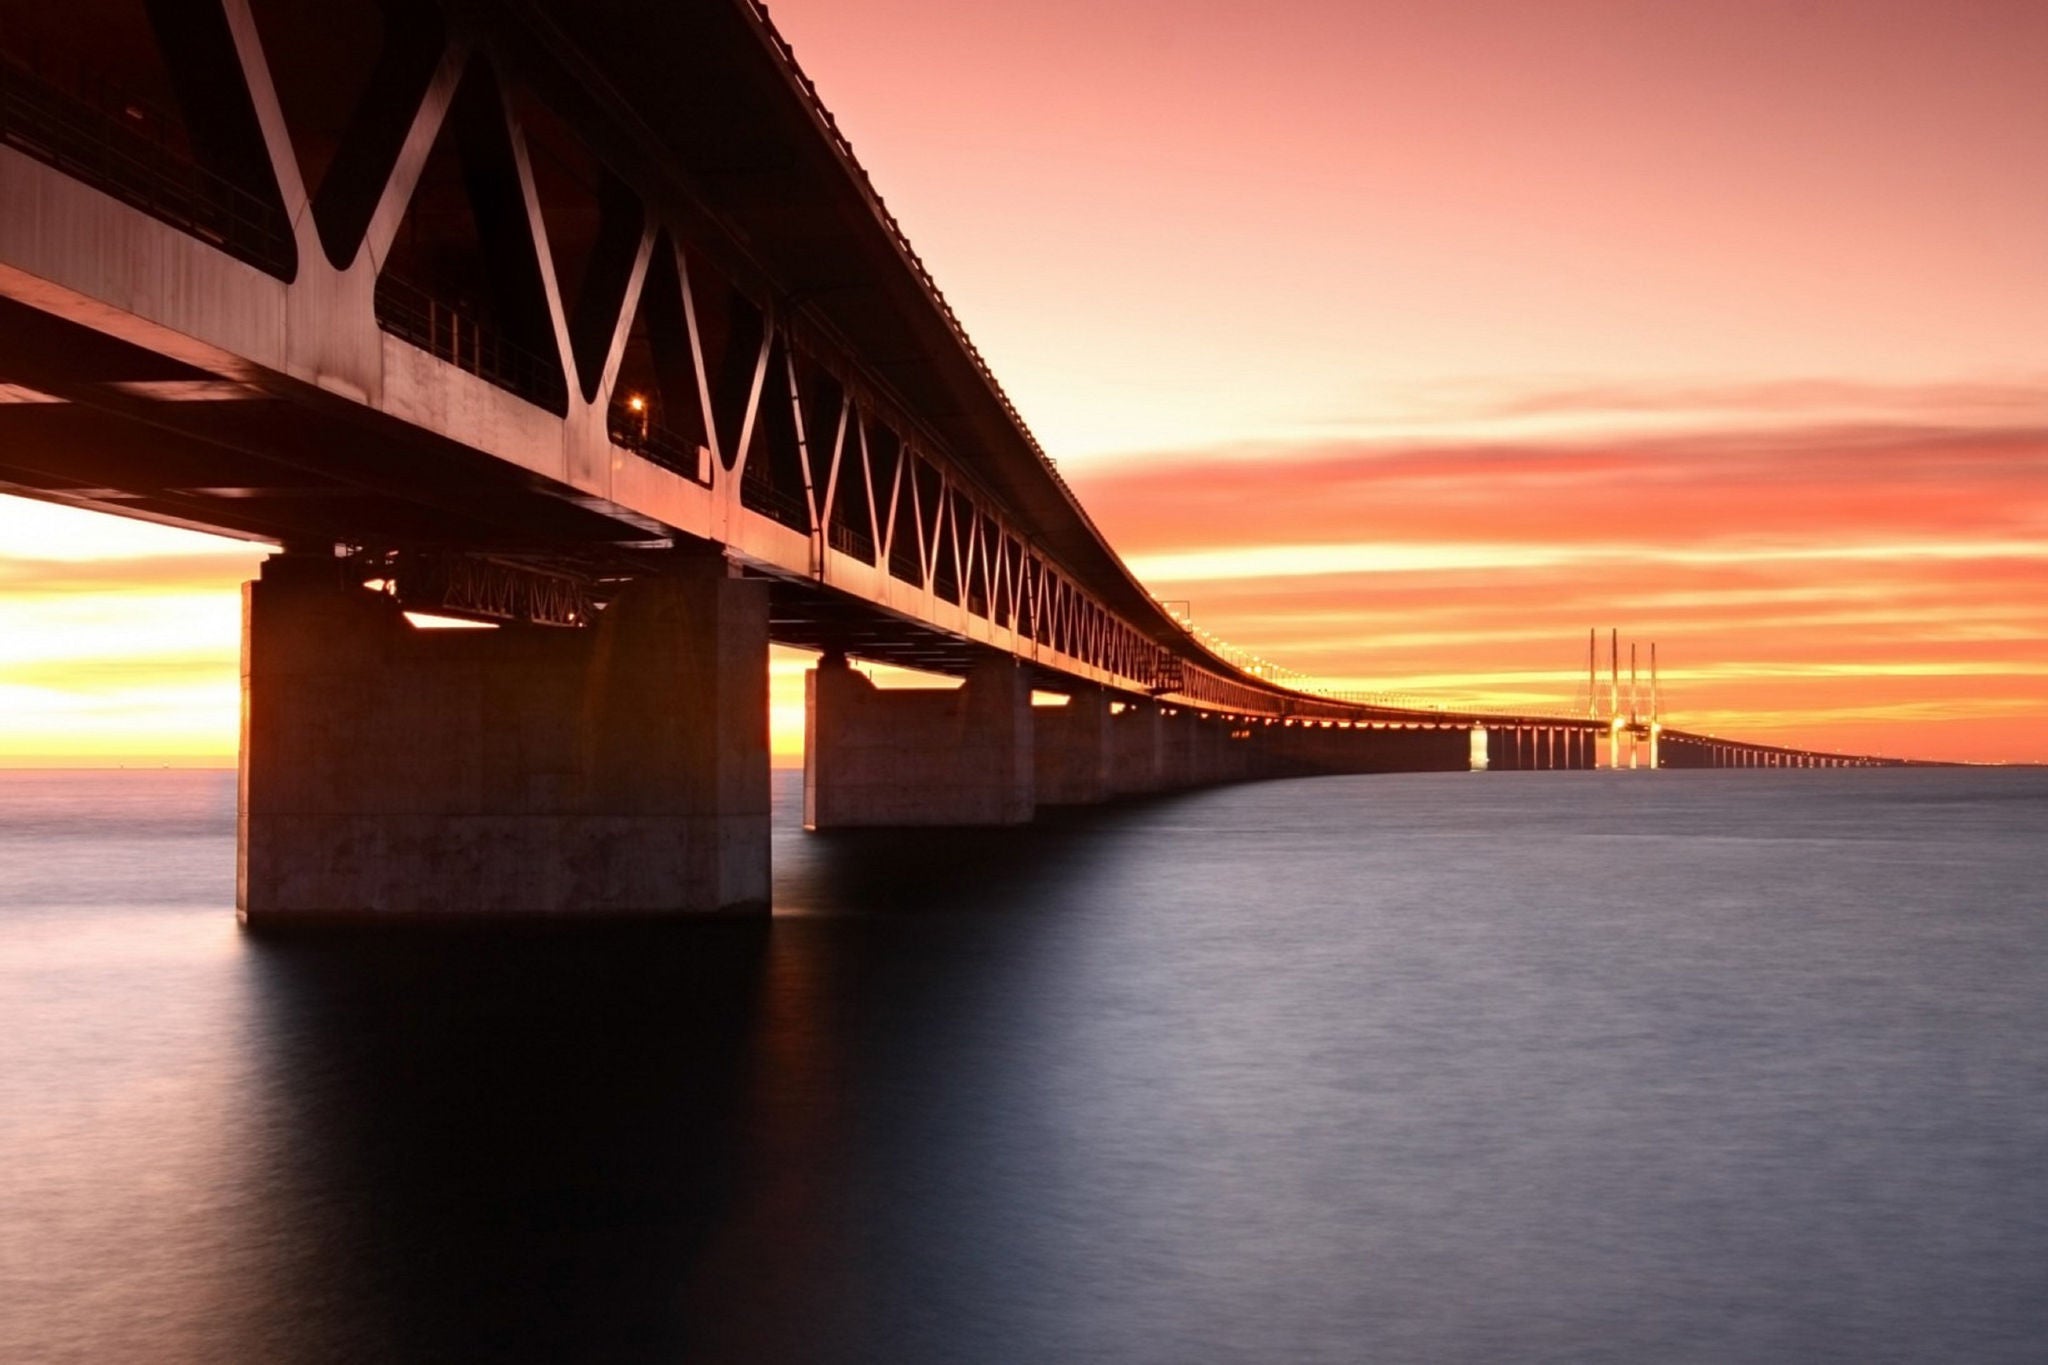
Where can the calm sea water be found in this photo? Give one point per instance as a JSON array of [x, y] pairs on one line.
[[1513, 1067]]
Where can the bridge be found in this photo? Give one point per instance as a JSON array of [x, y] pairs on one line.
[[582, 320]]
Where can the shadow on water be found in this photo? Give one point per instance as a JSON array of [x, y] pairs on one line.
[[950, 871], [485, 1145], [640, 1142]]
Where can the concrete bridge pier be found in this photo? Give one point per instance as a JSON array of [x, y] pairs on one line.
[[1309, 750], [1547, 748], [918, 756], [1190, 749], [1074, 758], [1160, 749], [1224, 759], [1210, 763], [393, 772], [1176, 750], [1137, 741]]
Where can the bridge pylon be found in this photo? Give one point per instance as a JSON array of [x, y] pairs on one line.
[[390, 772]]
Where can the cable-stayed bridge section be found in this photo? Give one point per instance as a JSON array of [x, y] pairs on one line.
[[580, 320]]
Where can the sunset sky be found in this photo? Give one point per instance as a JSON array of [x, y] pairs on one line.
[[1406, 342]]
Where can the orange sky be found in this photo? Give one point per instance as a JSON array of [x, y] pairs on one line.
[[1408, 341]]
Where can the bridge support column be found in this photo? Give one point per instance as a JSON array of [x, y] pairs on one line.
[[917, 756], [1177, 740], [1217, 758], [1136, 741], [1501, 754], [1208, 755], [1071, 744], [389, 772], [1310, 750]]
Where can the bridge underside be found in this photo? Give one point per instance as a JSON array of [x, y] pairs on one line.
[[94, 422]]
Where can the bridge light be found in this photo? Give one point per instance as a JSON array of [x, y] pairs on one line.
[[636, 404]]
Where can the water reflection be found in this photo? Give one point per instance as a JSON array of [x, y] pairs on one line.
[[512, 1146], [1741, 1067], [698, 1141]]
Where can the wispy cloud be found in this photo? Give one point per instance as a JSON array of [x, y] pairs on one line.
[[1177, 568], [1829, 578], [1833, 570], [119, 640], [32, 530], [200, 571], [1730, 404]]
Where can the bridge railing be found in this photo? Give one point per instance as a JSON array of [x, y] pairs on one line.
[[851, 540], [758, 493], [96, 134], [635, 431], [1403, 701], [415, 314]]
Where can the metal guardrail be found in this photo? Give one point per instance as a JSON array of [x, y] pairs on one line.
[[946, 582], [851, 540], [1400, 701], [758, 493], [110, 149], [414, 314], [903, 561], [1169, 674], [630, 430]]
